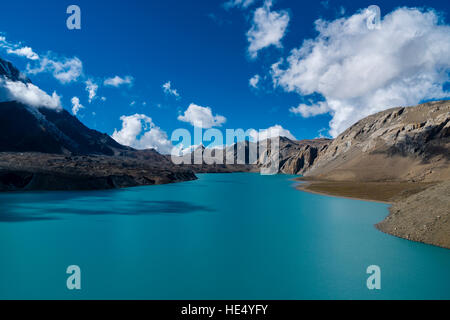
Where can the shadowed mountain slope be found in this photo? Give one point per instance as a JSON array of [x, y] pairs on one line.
[[28, 129]]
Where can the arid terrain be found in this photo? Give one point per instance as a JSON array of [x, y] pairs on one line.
[[422, 217], [38, 171], [398, 156]]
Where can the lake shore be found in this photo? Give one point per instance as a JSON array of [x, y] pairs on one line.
[[419, 211], [385, 192]]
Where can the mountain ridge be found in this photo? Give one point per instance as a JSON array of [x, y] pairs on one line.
[[403, 143], [24, 128], [45, 148]]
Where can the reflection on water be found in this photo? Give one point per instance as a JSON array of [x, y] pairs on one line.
[[57, 209]]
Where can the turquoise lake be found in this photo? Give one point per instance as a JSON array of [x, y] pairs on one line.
[[224, 236]]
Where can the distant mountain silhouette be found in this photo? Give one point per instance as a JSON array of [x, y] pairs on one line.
[[28, 129]]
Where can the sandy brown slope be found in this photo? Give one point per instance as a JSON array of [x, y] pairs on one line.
[[399, 144], [423, 217], [381, 191]]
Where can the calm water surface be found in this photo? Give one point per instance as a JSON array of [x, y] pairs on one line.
[[224, 236]]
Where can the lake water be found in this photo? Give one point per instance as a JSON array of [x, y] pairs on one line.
[[224, 236]]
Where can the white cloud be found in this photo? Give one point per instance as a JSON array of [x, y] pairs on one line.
[[272, 132], [310, 110], [65, 70], [28, 93], [132, 103], [238, 3], [103, 98], [201, 117], [254, 81], [361, 71], [139, 131], [24, 52], [91, 88], [268, 28], [17, 49], [169, 90], [76, 105], [118, 81]]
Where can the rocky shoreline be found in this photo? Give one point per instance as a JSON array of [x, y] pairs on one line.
[[398, 156], [32, 171], [37, 171], [418, 212], [422, 217], [381, 191]]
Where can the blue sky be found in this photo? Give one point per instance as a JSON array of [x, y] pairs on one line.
[[202, 48]]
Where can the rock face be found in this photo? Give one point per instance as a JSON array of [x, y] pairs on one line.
[[206, 160], [296, 157], [406, 143]]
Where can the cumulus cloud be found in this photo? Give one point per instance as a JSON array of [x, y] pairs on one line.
[[26, 52], [238, 3], [254, 81], [139, 131], [201, 117], [76, 105], [91, 88], [268, 28], [65, 70], [118, 81], [17, 49], [28, 93], [310, 110], [272, 132], [360, 70], [167, 87]]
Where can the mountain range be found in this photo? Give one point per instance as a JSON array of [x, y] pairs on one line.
[[395, 155], [45, 148]]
